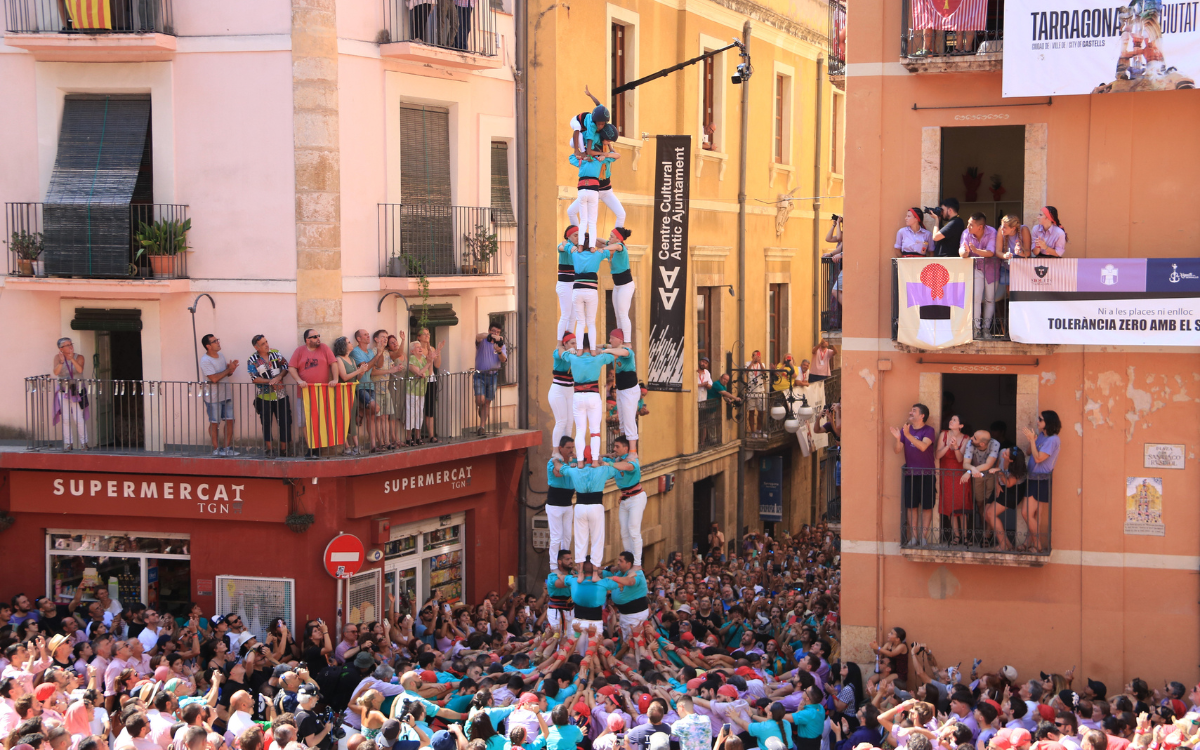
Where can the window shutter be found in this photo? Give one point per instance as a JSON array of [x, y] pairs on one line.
[[502, 210], [362, 595], [424, 154], [86, 217], [257, 601]]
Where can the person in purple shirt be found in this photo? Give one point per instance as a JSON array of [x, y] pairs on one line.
[[915, 440], [979, 242], [1043, 452], [1048, 236], [913, 240], [490, 355]]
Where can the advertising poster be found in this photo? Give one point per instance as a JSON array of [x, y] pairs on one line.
[[770, 488], [1143, 507], [934, 302], [1074, 47], [669, 244]]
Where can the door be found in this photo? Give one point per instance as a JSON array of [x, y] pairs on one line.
[[702, 513], [400, 583]]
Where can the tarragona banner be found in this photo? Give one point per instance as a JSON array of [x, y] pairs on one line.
[[1105, 301], [934, 302], [1077, 47]]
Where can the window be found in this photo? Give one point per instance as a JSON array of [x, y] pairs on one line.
[[779, 84], [777, 322], [782, 124], [433, 561], [837, 135], [502, 207], [708, 319], [257, 601], [618, 66], [362, 596], [708, 136], [508, 324], [151, 569], [424, 154]]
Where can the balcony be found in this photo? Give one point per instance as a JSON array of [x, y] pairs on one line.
[[157, 418], [924, 48], [81, 26], [831, 299], [469, 40], [138, 242], [423, 240], [835, 46], [711, 421], [960, 530]]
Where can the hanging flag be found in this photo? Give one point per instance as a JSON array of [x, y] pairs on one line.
[[89, 14], [949, 15], [327, 411], [934, 302], [668, 244]]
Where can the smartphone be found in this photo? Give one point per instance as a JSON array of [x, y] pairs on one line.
[[727, 728], [511, 580]]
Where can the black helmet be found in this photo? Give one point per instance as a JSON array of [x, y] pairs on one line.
[[600, 113]]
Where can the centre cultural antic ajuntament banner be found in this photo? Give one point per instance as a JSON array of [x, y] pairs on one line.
[[669, 243]]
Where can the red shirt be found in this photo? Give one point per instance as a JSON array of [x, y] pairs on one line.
[[313, 365]]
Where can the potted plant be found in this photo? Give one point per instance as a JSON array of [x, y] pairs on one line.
[[299, 522], [162, 242], [971, 181], [481, 246], [997, 188], [28, 248]]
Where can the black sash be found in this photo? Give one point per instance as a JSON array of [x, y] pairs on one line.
[[634, 607], [589, 613], [621, 278], [559, 497], [626, 379], [589, 498]]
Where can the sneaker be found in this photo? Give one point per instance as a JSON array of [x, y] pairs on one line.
[[218, 452], [230, 452]]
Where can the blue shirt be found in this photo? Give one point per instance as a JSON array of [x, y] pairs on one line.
[[590, 478], [563, 695], [565, 737], [630, 593], [563, 482], [560, 362], [626, 363], [588, 261], [358, 356], [587, 593], [496, 716], [627, 479], [620, 260], [565, 249], [552, 587], [761, 730], [591, 168], [586, 369]]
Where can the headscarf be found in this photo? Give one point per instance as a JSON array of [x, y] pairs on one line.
[[76, 720]]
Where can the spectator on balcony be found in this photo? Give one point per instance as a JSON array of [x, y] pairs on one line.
[[704, 380], [346, 372], [720, 390], [955, 496], [835, 256], [218, 398], [1014, 239], [948, 238], [391, 393], [419, 369], [979, 242], [368, 403], [312, 364], [980, 455], [1011, 487], [434, 355], [913, 240], [267, 369], [915, 440], [802, 377], [822, 355], [419, 13], [1048, 236], [70, 396], [1043, 453], [490, 355], [786, 374], [757, 377], [462, 35]]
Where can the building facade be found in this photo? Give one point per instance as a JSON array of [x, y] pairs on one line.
[[690, 448], [328, 165], [1128, 413]]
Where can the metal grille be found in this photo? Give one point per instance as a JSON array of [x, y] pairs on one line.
[[124, 17], [508, 324], [362, 597], [258, 601], [502, 211]]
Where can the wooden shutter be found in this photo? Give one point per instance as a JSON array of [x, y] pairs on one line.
[[502, 208], [707, 138], [424, 154], [618, 77], [86, 218], [779, 83]]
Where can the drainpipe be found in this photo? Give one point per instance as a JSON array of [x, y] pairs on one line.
[[520, 17], [816, 255], [742, 158]]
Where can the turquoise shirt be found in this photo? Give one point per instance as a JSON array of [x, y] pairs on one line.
[[511, 668], [552, 587], [565, 249], [538, 744], [810, 721], [620, 260], [460, 703], [626, 363], [761, 730], [589, 594], [627, 479], [588, 261], [590, 478], [563, 695], [358, 356], [563, 482], [630, 593], [560, 363], [497, 716], [564, 738], [586, 369]]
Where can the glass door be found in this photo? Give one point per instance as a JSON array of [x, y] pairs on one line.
[[400, 583]]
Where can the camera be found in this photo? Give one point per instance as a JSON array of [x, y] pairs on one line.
[[743, 73], [495, 339], [932, 211], [836, 218], [328, 716]]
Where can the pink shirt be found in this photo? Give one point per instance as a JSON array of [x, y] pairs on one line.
[[9, 718], [160, 729], [820, 361], [111, 672], [25, 676]]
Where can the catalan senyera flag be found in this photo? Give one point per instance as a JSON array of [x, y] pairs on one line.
[[89, 14], [327, 413]]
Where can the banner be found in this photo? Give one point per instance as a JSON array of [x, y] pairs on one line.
[[770, 488], [934, 302], [950, 15], [1074, 47], [1105, 301], [327, 413], [669, 243]]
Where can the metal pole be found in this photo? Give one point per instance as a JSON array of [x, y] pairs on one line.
[[742, 159], [816, 251], [195, 343], [521, 11]]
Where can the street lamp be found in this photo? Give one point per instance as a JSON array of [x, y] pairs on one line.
[[797, 410]]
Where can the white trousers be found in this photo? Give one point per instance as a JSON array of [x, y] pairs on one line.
[[608, 198], [589, 208], [560, 619], [582, 646], [627, 408], [566, 307], [589, 533], [586, 301], [985, 298], [622, 300], [630, 516], [631, 625], [561, 399], [587, 426], [74, 425], [561, 519]]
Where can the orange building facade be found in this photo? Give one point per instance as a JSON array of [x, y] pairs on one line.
[[1114, 598]]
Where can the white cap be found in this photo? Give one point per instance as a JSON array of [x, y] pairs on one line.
[[774, 743], [1009, 672], [660, 741]]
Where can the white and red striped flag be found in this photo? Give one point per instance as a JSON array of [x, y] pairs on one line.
[[949, 15]]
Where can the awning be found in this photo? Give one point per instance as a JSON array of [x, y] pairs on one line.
[[93, 319], [436, 315]]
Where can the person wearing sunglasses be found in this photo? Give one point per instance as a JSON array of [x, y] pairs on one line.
[[312, 364]]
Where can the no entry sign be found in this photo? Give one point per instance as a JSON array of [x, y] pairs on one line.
[[344, 556]]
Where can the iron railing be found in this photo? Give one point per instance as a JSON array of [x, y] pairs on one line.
[[831, 483], [425, 239], [173, 418], [831, 299], [962, 518], [471, 28], [57, 16], [923, 42], [711, 421], [983, 329], [835, 47], [96, 240]]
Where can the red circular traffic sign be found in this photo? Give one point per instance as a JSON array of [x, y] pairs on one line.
[[344, 556]]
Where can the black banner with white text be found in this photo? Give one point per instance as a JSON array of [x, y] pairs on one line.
[[669, 242]]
